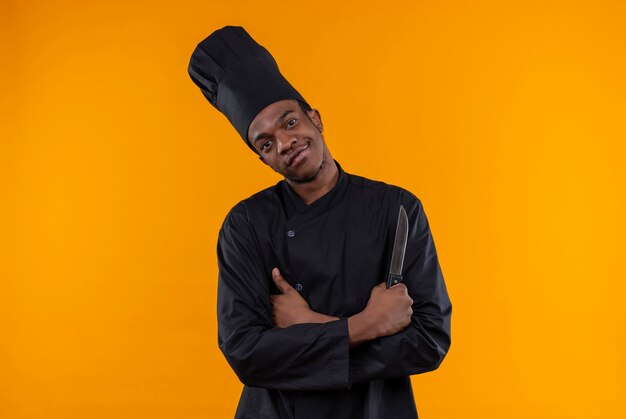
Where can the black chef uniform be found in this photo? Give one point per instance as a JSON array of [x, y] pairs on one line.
[[333, 251]]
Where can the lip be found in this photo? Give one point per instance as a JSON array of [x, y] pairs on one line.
[[295, 156]]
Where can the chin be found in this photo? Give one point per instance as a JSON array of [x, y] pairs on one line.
[[306, 175]]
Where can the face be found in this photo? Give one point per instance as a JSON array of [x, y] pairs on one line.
[[289, 140]]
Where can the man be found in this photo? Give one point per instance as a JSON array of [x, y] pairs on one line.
[[304, 316]]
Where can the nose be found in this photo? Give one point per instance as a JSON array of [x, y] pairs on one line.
[[285, 141]]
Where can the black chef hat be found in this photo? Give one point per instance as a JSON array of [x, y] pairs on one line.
[[238, 76]]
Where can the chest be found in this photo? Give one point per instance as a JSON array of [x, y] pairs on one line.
[[333, 259]]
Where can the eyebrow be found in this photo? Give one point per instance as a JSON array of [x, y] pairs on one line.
[[277, 122]]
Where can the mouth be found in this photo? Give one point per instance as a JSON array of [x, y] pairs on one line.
[[294, 157]]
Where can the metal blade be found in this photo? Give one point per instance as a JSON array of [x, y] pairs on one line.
[[399, 247]]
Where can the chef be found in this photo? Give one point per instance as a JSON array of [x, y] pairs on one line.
[[306, 318]]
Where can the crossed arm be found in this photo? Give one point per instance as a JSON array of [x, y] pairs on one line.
[[278, 342], [388, 311]]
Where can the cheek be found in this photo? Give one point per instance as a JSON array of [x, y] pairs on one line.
[[272, 162]]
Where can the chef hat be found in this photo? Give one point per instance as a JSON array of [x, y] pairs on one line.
[[238, 76]]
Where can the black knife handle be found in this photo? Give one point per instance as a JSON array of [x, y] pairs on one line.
[[393, 279]]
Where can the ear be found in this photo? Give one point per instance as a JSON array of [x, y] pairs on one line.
[[315, 116]]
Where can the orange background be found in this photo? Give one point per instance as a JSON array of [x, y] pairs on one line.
[[506, 118]]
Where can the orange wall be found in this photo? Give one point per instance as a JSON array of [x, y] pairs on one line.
[[505, 118]]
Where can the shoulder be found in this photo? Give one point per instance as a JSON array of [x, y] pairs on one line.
[[382, 190], [264, 201]]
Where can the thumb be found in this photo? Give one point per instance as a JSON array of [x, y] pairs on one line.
[[280, 282], [379, 288]]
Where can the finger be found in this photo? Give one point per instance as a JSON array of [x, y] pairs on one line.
[[399, 286], [380, 287], [280, 282]]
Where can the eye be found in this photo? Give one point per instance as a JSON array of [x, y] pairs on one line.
[[266, 145], [291, 122]]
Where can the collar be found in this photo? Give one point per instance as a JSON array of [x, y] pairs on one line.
[[293, 205]]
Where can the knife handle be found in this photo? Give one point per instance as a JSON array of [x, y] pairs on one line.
[[393, 279]]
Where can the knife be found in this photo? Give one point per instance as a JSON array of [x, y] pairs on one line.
[[399, 247]]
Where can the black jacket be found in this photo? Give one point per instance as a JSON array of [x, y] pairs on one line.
[[334, 251]]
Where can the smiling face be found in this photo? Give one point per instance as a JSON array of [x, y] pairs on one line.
[[290, 140]]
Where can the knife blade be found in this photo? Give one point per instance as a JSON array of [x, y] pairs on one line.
[[399, 247]]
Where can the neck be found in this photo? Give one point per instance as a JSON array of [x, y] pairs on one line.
[[325, 180]]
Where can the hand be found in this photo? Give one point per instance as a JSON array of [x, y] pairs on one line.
[[390, 309], [289, 307], [388, 312]]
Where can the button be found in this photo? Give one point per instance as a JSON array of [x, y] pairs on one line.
[[291, 233], [298, 287]]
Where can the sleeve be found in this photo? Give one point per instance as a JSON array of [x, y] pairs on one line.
[[300, 357], [422, 346]]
